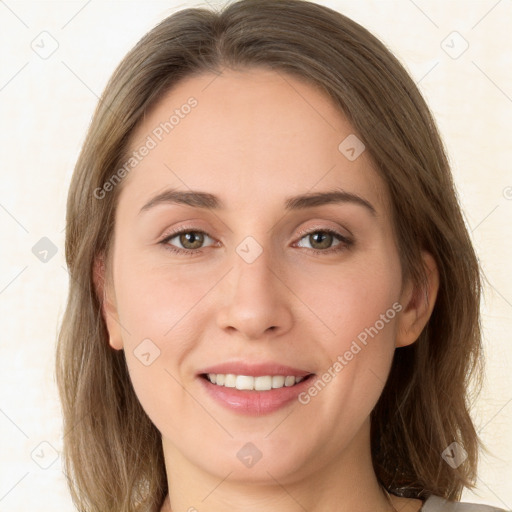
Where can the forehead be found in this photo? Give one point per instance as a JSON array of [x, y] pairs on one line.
[[248, 136]]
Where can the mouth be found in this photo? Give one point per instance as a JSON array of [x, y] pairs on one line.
[[254, 389], [254, 383]]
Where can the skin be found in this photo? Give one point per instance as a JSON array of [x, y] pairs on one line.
[[255, 138]]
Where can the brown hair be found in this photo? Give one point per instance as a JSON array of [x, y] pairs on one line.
[[112, 452]]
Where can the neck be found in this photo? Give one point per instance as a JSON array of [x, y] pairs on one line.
[[346, 483]]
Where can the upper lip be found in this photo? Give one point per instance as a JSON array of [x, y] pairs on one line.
[[254, 369]]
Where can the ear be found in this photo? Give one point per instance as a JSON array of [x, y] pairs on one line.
[[105, 292], [418, 303]]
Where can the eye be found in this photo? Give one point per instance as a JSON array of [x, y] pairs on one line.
[[321, 240], [191, 241]]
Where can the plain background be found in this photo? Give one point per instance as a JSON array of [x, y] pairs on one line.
[[457, 51]]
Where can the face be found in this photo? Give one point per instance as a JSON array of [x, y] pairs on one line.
[[248, 285]]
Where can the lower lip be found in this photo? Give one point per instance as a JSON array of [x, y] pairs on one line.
[[254, 402]]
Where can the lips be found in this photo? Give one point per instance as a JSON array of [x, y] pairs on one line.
[[254, 389], [254, 369]]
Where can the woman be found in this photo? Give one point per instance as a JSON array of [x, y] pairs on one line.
[[274, 301]]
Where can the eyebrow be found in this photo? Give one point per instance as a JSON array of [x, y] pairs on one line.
[[208, 201]]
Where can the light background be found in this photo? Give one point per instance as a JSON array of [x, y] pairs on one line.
[[46, 105]]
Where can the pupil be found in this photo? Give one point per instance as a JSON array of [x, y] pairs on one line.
[[193, 238], [323, 237]]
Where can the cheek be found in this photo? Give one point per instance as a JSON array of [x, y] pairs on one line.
[[155, 300], [156, 307], [358, 311], [347, 302]]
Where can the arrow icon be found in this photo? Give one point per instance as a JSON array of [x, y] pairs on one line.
[[454, 455], [147, 352], [351, 147], [249, 455], [45, 45], [44, 250], [44, 455], [454, 45], [249, 253]]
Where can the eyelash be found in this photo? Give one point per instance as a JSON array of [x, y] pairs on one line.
[[345, 242]]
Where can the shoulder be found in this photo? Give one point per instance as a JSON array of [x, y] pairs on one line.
[[438, 504]]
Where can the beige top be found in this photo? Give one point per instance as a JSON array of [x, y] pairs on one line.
[[437, 504]]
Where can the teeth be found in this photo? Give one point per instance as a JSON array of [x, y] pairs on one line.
[[263, 383], [289, 381], [247, 382], [230, 380], [244, 382], [278, 381]]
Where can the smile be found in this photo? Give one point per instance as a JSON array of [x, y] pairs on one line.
[[249, 383], [256, 394]]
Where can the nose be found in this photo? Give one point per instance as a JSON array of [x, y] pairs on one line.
[[254, 299]]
